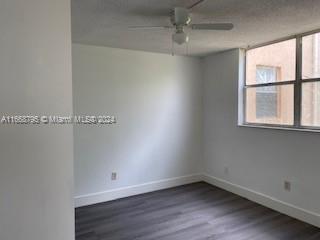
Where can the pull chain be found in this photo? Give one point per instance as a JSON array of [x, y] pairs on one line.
[[172, 48], [187, 49]]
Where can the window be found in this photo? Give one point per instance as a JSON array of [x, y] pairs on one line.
[[282, 83]]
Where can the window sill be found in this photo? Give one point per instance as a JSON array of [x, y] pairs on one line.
[[279, 128]]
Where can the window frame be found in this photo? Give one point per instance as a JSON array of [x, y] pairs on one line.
[[297, 85]]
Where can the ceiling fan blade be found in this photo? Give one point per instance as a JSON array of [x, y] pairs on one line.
[[212, 26], [196, 4], [150, 27]]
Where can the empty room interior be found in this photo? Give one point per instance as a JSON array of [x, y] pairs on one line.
[[160, 120]]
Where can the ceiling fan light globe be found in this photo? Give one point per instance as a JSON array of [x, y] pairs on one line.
[[180, 38]]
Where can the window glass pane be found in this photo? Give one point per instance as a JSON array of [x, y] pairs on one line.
[[277, 62], [311, 104], [270, 105], [311, 56]]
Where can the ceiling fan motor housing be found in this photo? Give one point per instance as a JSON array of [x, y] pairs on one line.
[[181, 17]]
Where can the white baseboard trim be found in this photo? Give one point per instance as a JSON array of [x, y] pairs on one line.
[[113, 194], [265, 200]]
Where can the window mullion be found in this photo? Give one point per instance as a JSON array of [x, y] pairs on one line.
[[298, 84]]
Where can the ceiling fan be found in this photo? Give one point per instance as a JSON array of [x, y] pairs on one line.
[[181, 18]]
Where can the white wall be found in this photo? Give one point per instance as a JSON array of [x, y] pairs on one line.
[[157, 100], [258, 159], [36, 166]]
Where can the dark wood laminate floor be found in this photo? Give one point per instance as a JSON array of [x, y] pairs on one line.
[[192, 212]]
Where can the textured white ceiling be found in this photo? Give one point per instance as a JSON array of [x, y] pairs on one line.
[[105, 23]]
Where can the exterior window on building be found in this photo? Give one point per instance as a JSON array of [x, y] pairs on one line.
[[266, 97]]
